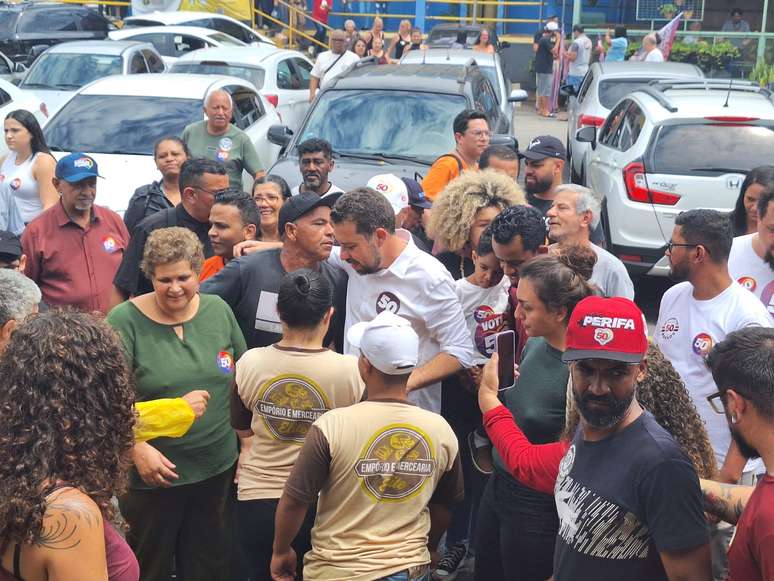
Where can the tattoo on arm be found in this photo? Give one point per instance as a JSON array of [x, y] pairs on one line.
[[723, 504], [60, 530]]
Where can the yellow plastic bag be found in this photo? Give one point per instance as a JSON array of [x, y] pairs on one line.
[[162, 417]]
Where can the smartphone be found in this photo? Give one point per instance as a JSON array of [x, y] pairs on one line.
[[505, 346]]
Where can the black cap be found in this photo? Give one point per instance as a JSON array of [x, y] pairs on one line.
[[416, 194], [296, 206], [10, 245], [544, 146]]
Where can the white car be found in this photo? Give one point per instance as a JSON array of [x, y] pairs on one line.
[[11, 99], [118, 119], [282, 76], [64, 68], [211, 20], [172, 42]]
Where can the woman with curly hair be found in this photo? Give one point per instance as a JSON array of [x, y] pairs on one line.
[[65, 437], [461, 212], [177, 340]]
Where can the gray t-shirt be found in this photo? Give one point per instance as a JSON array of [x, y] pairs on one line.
[[250, 285], [582, 47], [610, 275]]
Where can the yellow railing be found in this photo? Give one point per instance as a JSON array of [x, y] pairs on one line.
[[295, 17]]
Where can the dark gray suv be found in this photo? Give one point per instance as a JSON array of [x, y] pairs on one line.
[[390, 119]]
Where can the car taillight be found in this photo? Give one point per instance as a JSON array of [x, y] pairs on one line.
[[273, 99], [636, 181], [731, 119], [590, 121], [44, 109]]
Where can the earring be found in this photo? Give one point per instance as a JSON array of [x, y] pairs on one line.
[[734, 418]]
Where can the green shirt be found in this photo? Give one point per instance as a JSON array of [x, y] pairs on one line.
[[539, 398], [166, 366], [233, 148]]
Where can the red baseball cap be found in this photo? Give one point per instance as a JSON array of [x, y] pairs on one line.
[[602, 328]]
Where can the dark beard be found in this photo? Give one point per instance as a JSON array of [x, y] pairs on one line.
[[744, 448], [598, 418], [678, 273], [540, 186]]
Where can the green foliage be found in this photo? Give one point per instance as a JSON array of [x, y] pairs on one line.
[[667, 10], [763, 74], [707, 56]]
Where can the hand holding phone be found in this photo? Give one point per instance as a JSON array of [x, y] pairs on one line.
[[505, 346]]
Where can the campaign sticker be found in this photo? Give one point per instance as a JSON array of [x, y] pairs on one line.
[[109, 244], [226, 144], [670, 328], [15, 184], [748, 282], [225, 362], [702, 344], [767, 297], [387, 302], [84, 162], [603, 336]]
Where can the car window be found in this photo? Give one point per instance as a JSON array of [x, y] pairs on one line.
[[8, 20], [610, 130], [612, 91], [119, 124], [139, 22], [285, 76], [48, 21], [247, 107], [159, 41], [631, 126], [92, 21], [184, 43], [487, 102], [232, 29], [137, 64], [303, 71], [585, 84], [491, 74], [707, 149], [70, 71], [5, 69], [5, 98], [155, 64], [255, 75], [202, 22]]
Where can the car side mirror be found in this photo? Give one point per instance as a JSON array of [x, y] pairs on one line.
[[587, 135], [19, 68], [502, 139], [568, 90], [279, 135], [517, 96]]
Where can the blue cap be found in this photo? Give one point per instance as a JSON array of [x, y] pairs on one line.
[[76, 167]]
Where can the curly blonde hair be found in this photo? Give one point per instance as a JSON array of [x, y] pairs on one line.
[[169, 245], [455, 208]]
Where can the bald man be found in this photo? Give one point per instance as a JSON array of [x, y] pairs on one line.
[[218, 139], [331, 63]]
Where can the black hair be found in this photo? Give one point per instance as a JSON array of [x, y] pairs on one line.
[[367, 209], [27, 119], [464, 117], [503, 152], [578, 28], [194, 168], [709, 228], [744, 362], [762, 175], [314, 145], [415, 29], [484, 247], [274, 179], [620, 31], [248, 211], [735, 11], [767, 196], [524, 221], [305, 296], [174, 138]]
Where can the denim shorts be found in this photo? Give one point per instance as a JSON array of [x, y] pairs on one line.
[[544, 84]]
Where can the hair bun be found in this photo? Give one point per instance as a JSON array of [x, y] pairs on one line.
[[302, 284], [580, 259]]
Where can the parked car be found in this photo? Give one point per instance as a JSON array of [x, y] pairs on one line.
[[389, 119], [118, 119], [172, 42], [11, 71], [63, 69], [211, 20], [28, 28], [602, 87], [282, 76], [490, 65], [11, 99], [446, 35], [669, 147]]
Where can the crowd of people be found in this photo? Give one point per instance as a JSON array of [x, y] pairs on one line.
[[302, 382]]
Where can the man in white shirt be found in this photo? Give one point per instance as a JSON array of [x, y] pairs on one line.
[[653, 54], [572, 217], [387, 272], [331, 63], [579, 55], [751, 262], [697, 314]]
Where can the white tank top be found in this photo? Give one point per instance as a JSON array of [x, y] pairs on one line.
[[19, 182]]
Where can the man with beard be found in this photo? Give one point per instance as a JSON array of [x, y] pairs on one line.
[[315, 162], [743, 368], [696, 314], [234, 218], [751, 262], [387, 272]]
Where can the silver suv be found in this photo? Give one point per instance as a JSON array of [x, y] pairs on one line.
[[669, 147]]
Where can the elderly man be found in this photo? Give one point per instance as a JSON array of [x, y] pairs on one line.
[[331, 63], [571, 219], [19, 297], [218, 139]]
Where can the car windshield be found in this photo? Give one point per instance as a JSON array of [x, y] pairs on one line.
[[253, 74], [226, 40], [70, 71], [119, 124], [682, 149], [400, 123], [613, 90]]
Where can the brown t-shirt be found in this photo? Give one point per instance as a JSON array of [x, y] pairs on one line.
[[280, 392], [376, 466]]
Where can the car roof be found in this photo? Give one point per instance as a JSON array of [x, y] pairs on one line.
[[693, 104], [175, 17], [643, 69], [460, 27], [419, 77], [105, 47], [453, 56], [159, 85], [234, 54], [32, 6], [192, 30]]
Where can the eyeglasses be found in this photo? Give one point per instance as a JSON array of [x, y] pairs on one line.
[[672, 245], [480, 133], [716, 402], [214, 193]]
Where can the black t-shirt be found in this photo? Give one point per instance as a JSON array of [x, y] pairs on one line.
[[597, 235], [544, 59], [250, 286], [622, 500], [129, 278], [400, 46]]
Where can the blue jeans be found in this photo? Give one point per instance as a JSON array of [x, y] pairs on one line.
[[574, 81], [404, 576]]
